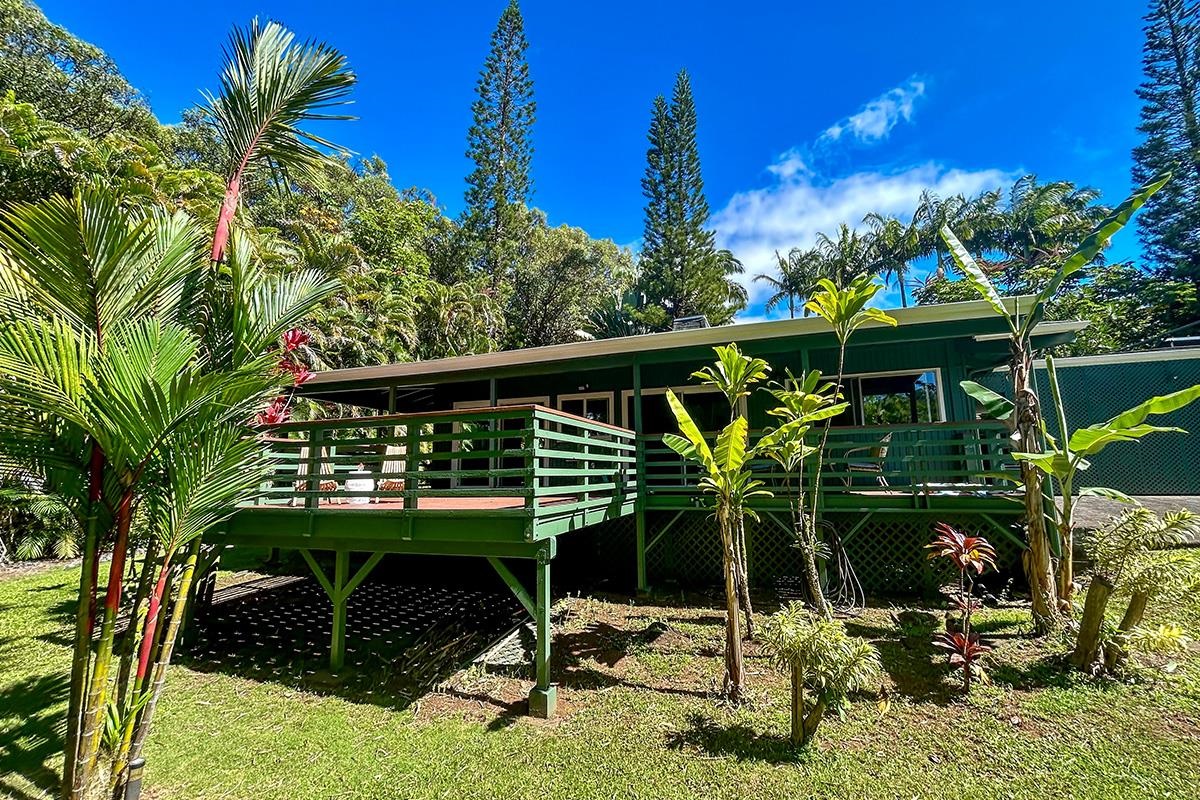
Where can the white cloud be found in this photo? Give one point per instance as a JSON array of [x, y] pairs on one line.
[[799, 204], [875, 120], [805, 197]]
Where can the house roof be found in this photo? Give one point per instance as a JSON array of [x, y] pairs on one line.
[[628, 347]]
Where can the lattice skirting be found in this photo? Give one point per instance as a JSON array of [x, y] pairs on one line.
[[886, 551]]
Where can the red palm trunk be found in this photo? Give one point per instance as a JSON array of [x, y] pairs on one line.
[[152, 614], [93, 712], [225, 218]]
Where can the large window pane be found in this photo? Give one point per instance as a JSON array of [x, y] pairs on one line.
[[899, 399]]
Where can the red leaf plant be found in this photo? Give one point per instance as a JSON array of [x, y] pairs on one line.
[[971, 555], [275, 413], [298, 371], [295, 338]]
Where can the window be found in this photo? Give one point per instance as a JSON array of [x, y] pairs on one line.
[[596, 406], [893, 398], [708, 408]]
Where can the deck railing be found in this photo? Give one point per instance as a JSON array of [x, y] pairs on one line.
[[935, 459], [525, 459]]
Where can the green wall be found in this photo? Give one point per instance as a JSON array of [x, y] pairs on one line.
[[1160, 464]]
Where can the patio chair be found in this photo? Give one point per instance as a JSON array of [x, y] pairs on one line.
[[393, 461], [872, 464], [323, 485]]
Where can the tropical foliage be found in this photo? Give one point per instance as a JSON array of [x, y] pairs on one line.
[[1025, 416], [726, 478], [1132, 555], [826, 664], [970, 555]]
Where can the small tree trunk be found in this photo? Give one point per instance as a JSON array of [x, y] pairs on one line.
[[83, 623], [145, 581], [808, 554], [824, 606], [1135, 612], [744, 574], [150, 639], [97, 699], [797, 706], [812, 720], [1066, 538], [1094, 606], [812, 577], [735, 674], [178, 611]]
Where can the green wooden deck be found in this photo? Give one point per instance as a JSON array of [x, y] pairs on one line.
[[504, 482], [494, 483]]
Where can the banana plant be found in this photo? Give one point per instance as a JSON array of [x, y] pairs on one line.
[[1025, 417], [725, 477], [1064, 458], [802, 404], [734, 374]]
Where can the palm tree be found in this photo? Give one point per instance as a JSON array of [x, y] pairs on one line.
[[973, 217], [453, 320], [893, 245], [796, 280], [103, 382], [845, 258], [1042, 223], [271, 85], [87, 287]]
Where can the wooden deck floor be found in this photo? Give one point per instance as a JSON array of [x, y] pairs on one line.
[[428, 503]]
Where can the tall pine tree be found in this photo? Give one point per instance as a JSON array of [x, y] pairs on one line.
[[1170, 222], [682, 272], [500, 145]]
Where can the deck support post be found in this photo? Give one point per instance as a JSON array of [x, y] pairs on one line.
[[543, 697], [338, 590], [643, 586], [337, 646]]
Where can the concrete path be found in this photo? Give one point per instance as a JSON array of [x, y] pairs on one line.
[[1092, 512]]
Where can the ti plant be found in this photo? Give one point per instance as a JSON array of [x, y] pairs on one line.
[[825, 664], [1025, 417], [733, 374], [1130, 554], [802, 404], [970, 555]]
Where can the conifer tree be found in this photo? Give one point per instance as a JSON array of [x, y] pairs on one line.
[[682, 272], [1170, 222], [500, 144]]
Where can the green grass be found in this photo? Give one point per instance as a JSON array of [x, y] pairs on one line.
[[638, 720]]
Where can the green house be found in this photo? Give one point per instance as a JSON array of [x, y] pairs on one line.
[[498, 455]]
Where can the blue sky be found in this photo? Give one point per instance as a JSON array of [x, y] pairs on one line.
[[809, 114]]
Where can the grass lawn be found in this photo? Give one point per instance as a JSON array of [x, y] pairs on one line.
[[637, 719]]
